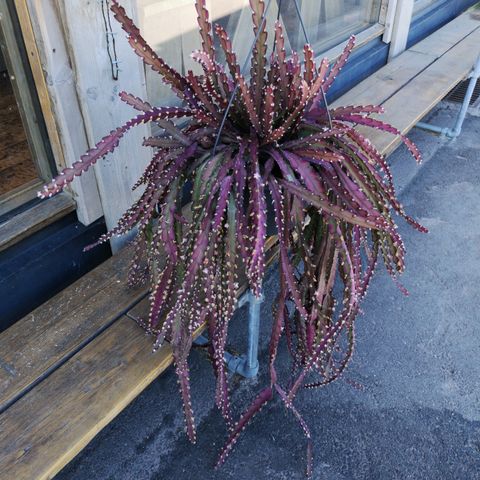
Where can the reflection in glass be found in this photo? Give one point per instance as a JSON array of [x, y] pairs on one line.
[[170, 26], [16, 165], [420, 5]]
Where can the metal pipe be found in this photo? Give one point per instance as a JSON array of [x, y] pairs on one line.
[[457, 129], [455, 132], [247, 365], [432, 128], [253, 332]]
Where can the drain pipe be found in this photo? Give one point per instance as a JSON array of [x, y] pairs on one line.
[[455, 132]]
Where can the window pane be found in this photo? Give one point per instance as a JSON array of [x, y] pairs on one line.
[[328, 22], [170, 26], [420, 5]]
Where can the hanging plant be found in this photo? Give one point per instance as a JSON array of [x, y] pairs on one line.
[[331, 191]]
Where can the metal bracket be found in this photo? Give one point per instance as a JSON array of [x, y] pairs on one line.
[[247, 364], [457, 129]]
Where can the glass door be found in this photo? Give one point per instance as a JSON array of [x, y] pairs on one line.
[[25, 162]]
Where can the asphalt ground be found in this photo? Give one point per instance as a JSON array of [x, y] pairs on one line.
[[408, 406]]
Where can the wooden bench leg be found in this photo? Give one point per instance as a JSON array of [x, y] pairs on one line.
[[456, 130]]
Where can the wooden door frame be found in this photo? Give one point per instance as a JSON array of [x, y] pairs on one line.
[[38, 53], [32, 117], [101, 108], [51, 67], [400, 27], [39, 79]]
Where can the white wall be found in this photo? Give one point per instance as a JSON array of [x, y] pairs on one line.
[[71, 38], [101, 107]]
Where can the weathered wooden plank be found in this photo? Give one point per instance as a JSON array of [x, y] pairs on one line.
[[92, 387], [64, 102], [387, 81], [21, 8], [54, 331], [420, 95], [33, 219], [448, 36], [401, 27], [26, 102], [101, 106], [139, 312], [390, 12], [19, 196], [47, 427], [380, 86]]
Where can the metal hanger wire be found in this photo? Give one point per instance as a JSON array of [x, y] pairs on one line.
[[242, 71], [297, 8], [247, 60]]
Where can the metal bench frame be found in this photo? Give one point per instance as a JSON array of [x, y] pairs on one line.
[[247, 364], [457, 129]]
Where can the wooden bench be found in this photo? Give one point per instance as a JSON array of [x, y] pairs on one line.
[[68, 368]]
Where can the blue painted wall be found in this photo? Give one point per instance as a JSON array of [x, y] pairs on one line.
[[45, 263], [434, 17], [361, 64], [371, 57]]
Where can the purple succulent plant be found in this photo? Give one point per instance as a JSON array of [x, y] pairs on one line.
[[332, 195]]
